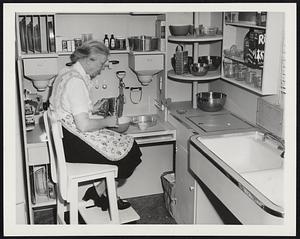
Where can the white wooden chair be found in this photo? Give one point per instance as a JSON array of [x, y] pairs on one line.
[[67, 176]]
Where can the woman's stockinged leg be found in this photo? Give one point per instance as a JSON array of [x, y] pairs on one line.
[[100, 187]]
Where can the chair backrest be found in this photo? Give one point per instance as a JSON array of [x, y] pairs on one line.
[[57, 156]]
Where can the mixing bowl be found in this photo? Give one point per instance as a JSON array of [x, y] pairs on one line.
[[179, 30], [211, 101], [212, 61], [144, 121], [199, 69], [123, 125]]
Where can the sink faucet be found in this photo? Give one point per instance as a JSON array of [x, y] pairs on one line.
[[277, 139]]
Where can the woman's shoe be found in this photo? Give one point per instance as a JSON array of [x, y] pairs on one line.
[[123, 204], [92, 194]]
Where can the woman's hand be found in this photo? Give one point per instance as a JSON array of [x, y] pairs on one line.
[[85, 124]]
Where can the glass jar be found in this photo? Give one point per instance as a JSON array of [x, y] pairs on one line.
[[250, 76], [241, 74], [229, 69], [257, 81]]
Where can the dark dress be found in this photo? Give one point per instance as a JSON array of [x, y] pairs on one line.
[[77, 151]]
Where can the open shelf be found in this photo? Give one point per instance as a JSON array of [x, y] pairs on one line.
[[195, 38], [243, 84], [211, 75], [239, 60], [245, 24], [66, 53]]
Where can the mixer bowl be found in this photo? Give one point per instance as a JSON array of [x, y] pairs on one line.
[[124, 123], [144, 121]]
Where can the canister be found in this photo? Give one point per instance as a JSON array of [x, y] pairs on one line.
[[120, 43]]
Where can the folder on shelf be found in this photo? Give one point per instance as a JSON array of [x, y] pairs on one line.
[[29, 29], [43, 34], [36, 34], [22, 29]]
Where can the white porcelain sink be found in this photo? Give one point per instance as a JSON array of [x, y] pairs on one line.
[[245, 152], [242, 170]]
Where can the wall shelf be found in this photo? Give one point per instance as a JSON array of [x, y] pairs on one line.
[[243, 84], [245, 24], [67, 53], [239, 60]]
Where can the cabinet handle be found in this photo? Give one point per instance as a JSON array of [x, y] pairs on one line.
[[192, 188]]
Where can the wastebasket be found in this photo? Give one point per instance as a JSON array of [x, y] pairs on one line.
[[168, 184]]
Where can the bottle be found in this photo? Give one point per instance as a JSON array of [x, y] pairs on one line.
[[112, 42], [106, 40]]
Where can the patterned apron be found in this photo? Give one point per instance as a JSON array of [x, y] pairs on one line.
[[110, 144]]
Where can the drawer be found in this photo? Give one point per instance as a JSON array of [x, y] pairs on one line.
[[38, 154]]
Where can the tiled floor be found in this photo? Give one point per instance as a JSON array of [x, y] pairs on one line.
[[151, 209]]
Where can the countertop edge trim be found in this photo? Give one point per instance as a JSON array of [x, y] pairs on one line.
[[239, 185]]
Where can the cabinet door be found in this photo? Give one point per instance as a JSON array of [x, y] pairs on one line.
[[184, 192]]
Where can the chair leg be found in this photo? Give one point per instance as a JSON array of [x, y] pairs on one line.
[[73, 187], [112, 197], [60, 212]]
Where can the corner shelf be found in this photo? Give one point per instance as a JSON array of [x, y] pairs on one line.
[[195, 38], [211, 75]]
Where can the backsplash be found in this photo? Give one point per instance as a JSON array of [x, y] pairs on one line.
[[244, 104]]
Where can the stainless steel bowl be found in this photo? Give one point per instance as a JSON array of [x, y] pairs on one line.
[[211, 101], [199, 69], [143, 43], [144, 121]]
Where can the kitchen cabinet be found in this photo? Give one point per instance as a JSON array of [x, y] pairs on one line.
[[268, 74], [41, 36], [184, 182]]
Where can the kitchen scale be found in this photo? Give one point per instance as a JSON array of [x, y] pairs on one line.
[[219, 122]]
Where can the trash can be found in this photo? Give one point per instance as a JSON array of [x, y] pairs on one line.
[[168, 184]]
